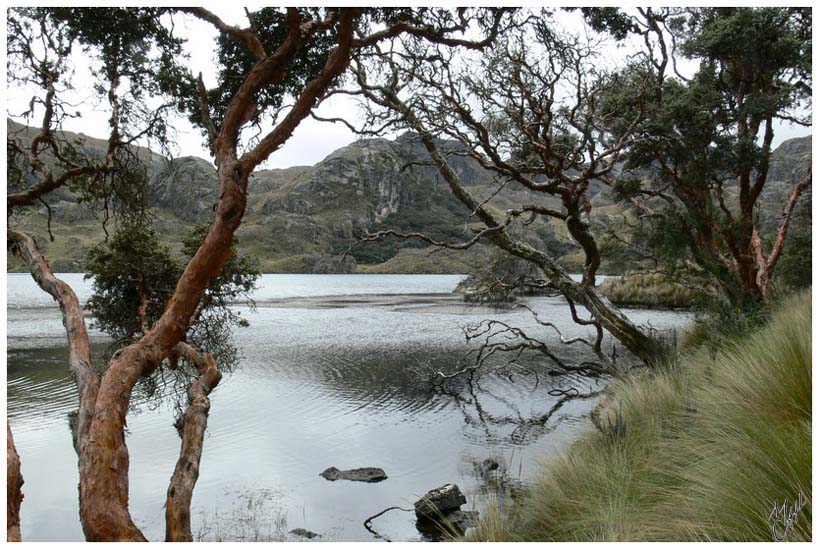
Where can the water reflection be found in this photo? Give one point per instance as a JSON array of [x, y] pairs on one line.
[[323, 382]]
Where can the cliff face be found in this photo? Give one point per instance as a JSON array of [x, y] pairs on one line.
[[299, 217], [186, 186], [364, 179], [790, 161]]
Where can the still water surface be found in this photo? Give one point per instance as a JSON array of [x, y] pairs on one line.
[[332, 375]]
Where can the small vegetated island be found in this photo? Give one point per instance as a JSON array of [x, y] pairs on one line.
[[605, 160]]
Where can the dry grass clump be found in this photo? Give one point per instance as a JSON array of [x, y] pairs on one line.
[[648, 290]]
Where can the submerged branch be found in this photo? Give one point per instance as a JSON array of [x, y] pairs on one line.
[[369, 521]]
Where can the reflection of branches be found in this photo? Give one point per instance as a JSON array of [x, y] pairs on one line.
[[497, 338], [506, 351], [470, 399], [566, 396]]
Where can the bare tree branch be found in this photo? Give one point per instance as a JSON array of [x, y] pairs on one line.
[[247, 36]]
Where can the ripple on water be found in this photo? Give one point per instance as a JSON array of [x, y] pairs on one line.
[[35, 404], [316, 388]]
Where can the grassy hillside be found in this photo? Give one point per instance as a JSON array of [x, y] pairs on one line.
[[304, 216], [697, 451]]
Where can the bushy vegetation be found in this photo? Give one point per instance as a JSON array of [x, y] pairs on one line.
[[498, 277], [134, 262], [648, 290], [699, 450]]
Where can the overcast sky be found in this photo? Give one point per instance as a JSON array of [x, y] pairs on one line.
[[311, 142]]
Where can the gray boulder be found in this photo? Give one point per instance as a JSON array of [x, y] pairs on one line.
[[368, 475], [439, 501]]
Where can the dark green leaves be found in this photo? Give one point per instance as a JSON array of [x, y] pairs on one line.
[[134, 263]]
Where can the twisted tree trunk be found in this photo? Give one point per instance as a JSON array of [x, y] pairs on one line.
[[648, 349], [101, 519], [79, 349], [194, 422], [99, 433], [104, 456]]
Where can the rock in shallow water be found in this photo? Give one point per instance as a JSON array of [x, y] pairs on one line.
[[304, 533], [440, 501], [368, 475]]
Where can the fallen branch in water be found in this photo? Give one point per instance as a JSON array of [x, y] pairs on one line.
[[368, 521]]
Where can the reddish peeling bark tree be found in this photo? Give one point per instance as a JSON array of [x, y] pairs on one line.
[[99, 430], [193, 424], [14, 485]]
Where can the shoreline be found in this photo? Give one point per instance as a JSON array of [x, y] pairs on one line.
[[678, 452]]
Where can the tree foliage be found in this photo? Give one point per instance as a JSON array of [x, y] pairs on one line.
[[134, 267], [124, 44], [699, 168], [133, 264], [134, 50], [234, 59]]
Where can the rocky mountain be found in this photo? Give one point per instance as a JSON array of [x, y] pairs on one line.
[[299, 219], [306, 218]]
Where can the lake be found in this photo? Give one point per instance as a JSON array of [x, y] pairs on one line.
[[333, 373]]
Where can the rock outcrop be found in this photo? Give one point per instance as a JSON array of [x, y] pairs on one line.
[[439, 515]]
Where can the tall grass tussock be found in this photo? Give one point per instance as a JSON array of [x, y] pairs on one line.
[[699, 450], [653, 290]]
